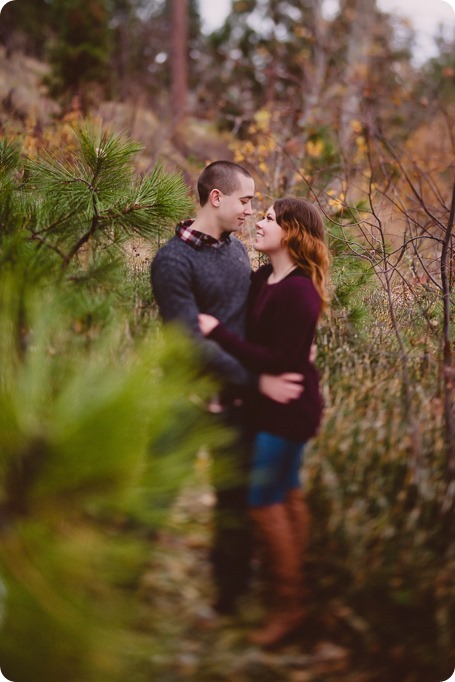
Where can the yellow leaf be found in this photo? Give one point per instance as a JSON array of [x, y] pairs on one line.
[[262, 118], [315, 149], [356, 126]]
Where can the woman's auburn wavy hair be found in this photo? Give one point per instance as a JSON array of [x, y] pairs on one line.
[[304, 238]]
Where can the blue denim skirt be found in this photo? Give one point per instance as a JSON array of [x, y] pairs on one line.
[[275, 469]]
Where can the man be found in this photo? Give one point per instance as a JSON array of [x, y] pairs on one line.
[[204, 268]]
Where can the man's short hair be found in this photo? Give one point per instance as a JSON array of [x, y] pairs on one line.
[[222, 175]]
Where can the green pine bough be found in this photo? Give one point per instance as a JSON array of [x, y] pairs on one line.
[[99, 426]]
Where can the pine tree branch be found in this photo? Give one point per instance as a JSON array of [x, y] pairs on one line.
[[85, 182], [83, 240], [42, 242], [56, 223]]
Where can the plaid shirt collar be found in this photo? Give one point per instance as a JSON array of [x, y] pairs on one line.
[[198, 239]]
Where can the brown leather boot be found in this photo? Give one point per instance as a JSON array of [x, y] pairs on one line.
[[277, 534], [299, 515]]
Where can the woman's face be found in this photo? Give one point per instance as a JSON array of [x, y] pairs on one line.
[[269, 235]]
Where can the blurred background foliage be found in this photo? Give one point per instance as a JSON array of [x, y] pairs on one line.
[[100, 413]]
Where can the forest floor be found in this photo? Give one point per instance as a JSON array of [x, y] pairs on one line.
[[194, 644]]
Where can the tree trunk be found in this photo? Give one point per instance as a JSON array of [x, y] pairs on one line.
[[179, 59], [124, 51], [363, 16], [313, 84], [313, 81]]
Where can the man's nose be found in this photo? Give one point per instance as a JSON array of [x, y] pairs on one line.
[[248, 209]]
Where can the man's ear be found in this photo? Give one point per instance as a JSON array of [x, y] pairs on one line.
[[215, 197]]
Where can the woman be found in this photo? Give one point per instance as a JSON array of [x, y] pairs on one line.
[[285, 300]]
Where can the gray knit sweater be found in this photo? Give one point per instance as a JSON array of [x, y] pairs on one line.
[[187, 280]]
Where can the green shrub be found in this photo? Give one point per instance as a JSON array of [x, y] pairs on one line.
[[383, 541]]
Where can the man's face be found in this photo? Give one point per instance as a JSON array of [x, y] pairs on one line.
[[234, 208]]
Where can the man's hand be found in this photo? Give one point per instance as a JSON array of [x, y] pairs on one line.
[[282, 388], [207, 323]]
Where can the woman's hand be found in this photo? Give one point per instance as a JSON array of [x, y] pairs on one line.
[[207, 323], [282, 388]]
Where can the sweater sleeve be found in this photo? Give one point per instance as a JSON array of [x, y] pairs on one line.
[[292, 329], [171, 281]]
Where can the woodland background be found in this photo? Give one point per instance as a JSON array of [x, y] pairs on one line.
[[109, 109]]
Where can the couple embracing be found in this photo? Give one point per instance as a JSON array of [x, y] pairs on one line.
[[255, 331]]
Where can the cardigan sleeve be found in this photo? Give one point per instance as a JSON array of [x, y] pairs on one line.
[[291, 332]]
